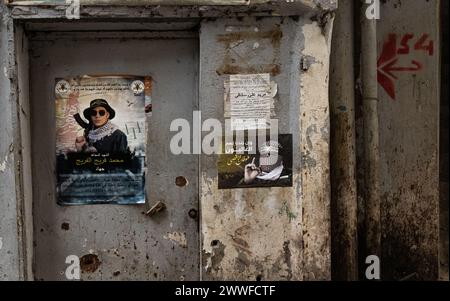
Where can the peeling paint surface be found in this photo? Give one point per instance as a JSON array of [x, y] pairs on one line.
[[11, 266], [314, 145], [177, 237], [272, 233], [3, 164]]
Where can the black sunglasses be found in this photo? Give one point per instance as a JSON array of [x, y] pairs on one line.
[[101, 112]]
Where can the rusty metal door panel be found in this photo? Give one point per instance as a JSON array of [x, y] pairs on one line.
[[119, 242]]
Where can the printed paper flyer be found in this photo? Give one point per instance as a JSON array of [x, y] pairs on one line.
[[101, 139]]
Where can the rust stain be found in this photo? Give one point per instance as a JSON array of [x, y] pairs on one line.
[[193, 214], [181, 181], [242, 230], [158, 207], [241, 245], [89, 263], [65, 226]]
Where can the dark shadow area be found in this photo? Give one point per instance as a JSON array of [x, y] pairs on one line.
[[444, 149]]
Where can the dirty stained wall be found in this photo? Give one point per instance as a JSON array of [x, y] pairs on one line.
[[271, 233], [279, 233], [409, 139], [287, 7], [444, 144], [10, 266], [15, 178]]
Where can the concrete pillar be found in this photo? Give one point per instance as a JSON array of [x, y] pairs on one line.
[[246, 233]]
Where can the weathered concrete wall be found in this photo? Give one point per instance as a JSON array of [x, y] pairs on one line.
[[246, 234], [278, 233], [14, 170], [409, 129], [24, 126], [9, 256], [183, 9]]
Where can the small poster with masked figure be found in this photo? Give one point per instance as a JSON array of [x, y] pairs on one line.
[[101, 139], [256, 162]]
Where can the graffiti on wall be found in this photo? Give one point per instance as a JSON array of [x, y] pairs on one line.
[[396, 47]]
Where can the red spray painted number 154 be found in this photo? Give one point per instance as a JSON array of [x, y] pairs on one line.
[[422, 44], [390, 55]]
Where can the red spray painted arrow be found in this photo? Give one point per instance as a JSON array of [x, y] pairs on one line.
[[389, 52], [389, 68], [386, 65]]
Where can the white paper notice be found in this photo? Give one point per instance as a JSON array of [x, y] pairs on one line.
[[250, 101]]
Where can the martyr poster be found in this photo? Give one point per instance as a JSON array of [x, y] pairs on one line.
[[255, 163], [101, 139]]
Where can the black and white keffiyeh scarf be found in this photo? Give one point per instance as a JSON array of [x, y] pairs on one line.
[[102, 132]]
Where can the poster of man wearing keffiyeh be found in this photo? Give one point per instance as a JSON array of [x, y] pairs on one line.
[[256, 162], [101, 139]]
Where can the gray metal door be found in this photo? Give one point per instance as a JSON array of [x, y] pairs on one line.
[[118, 242]]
